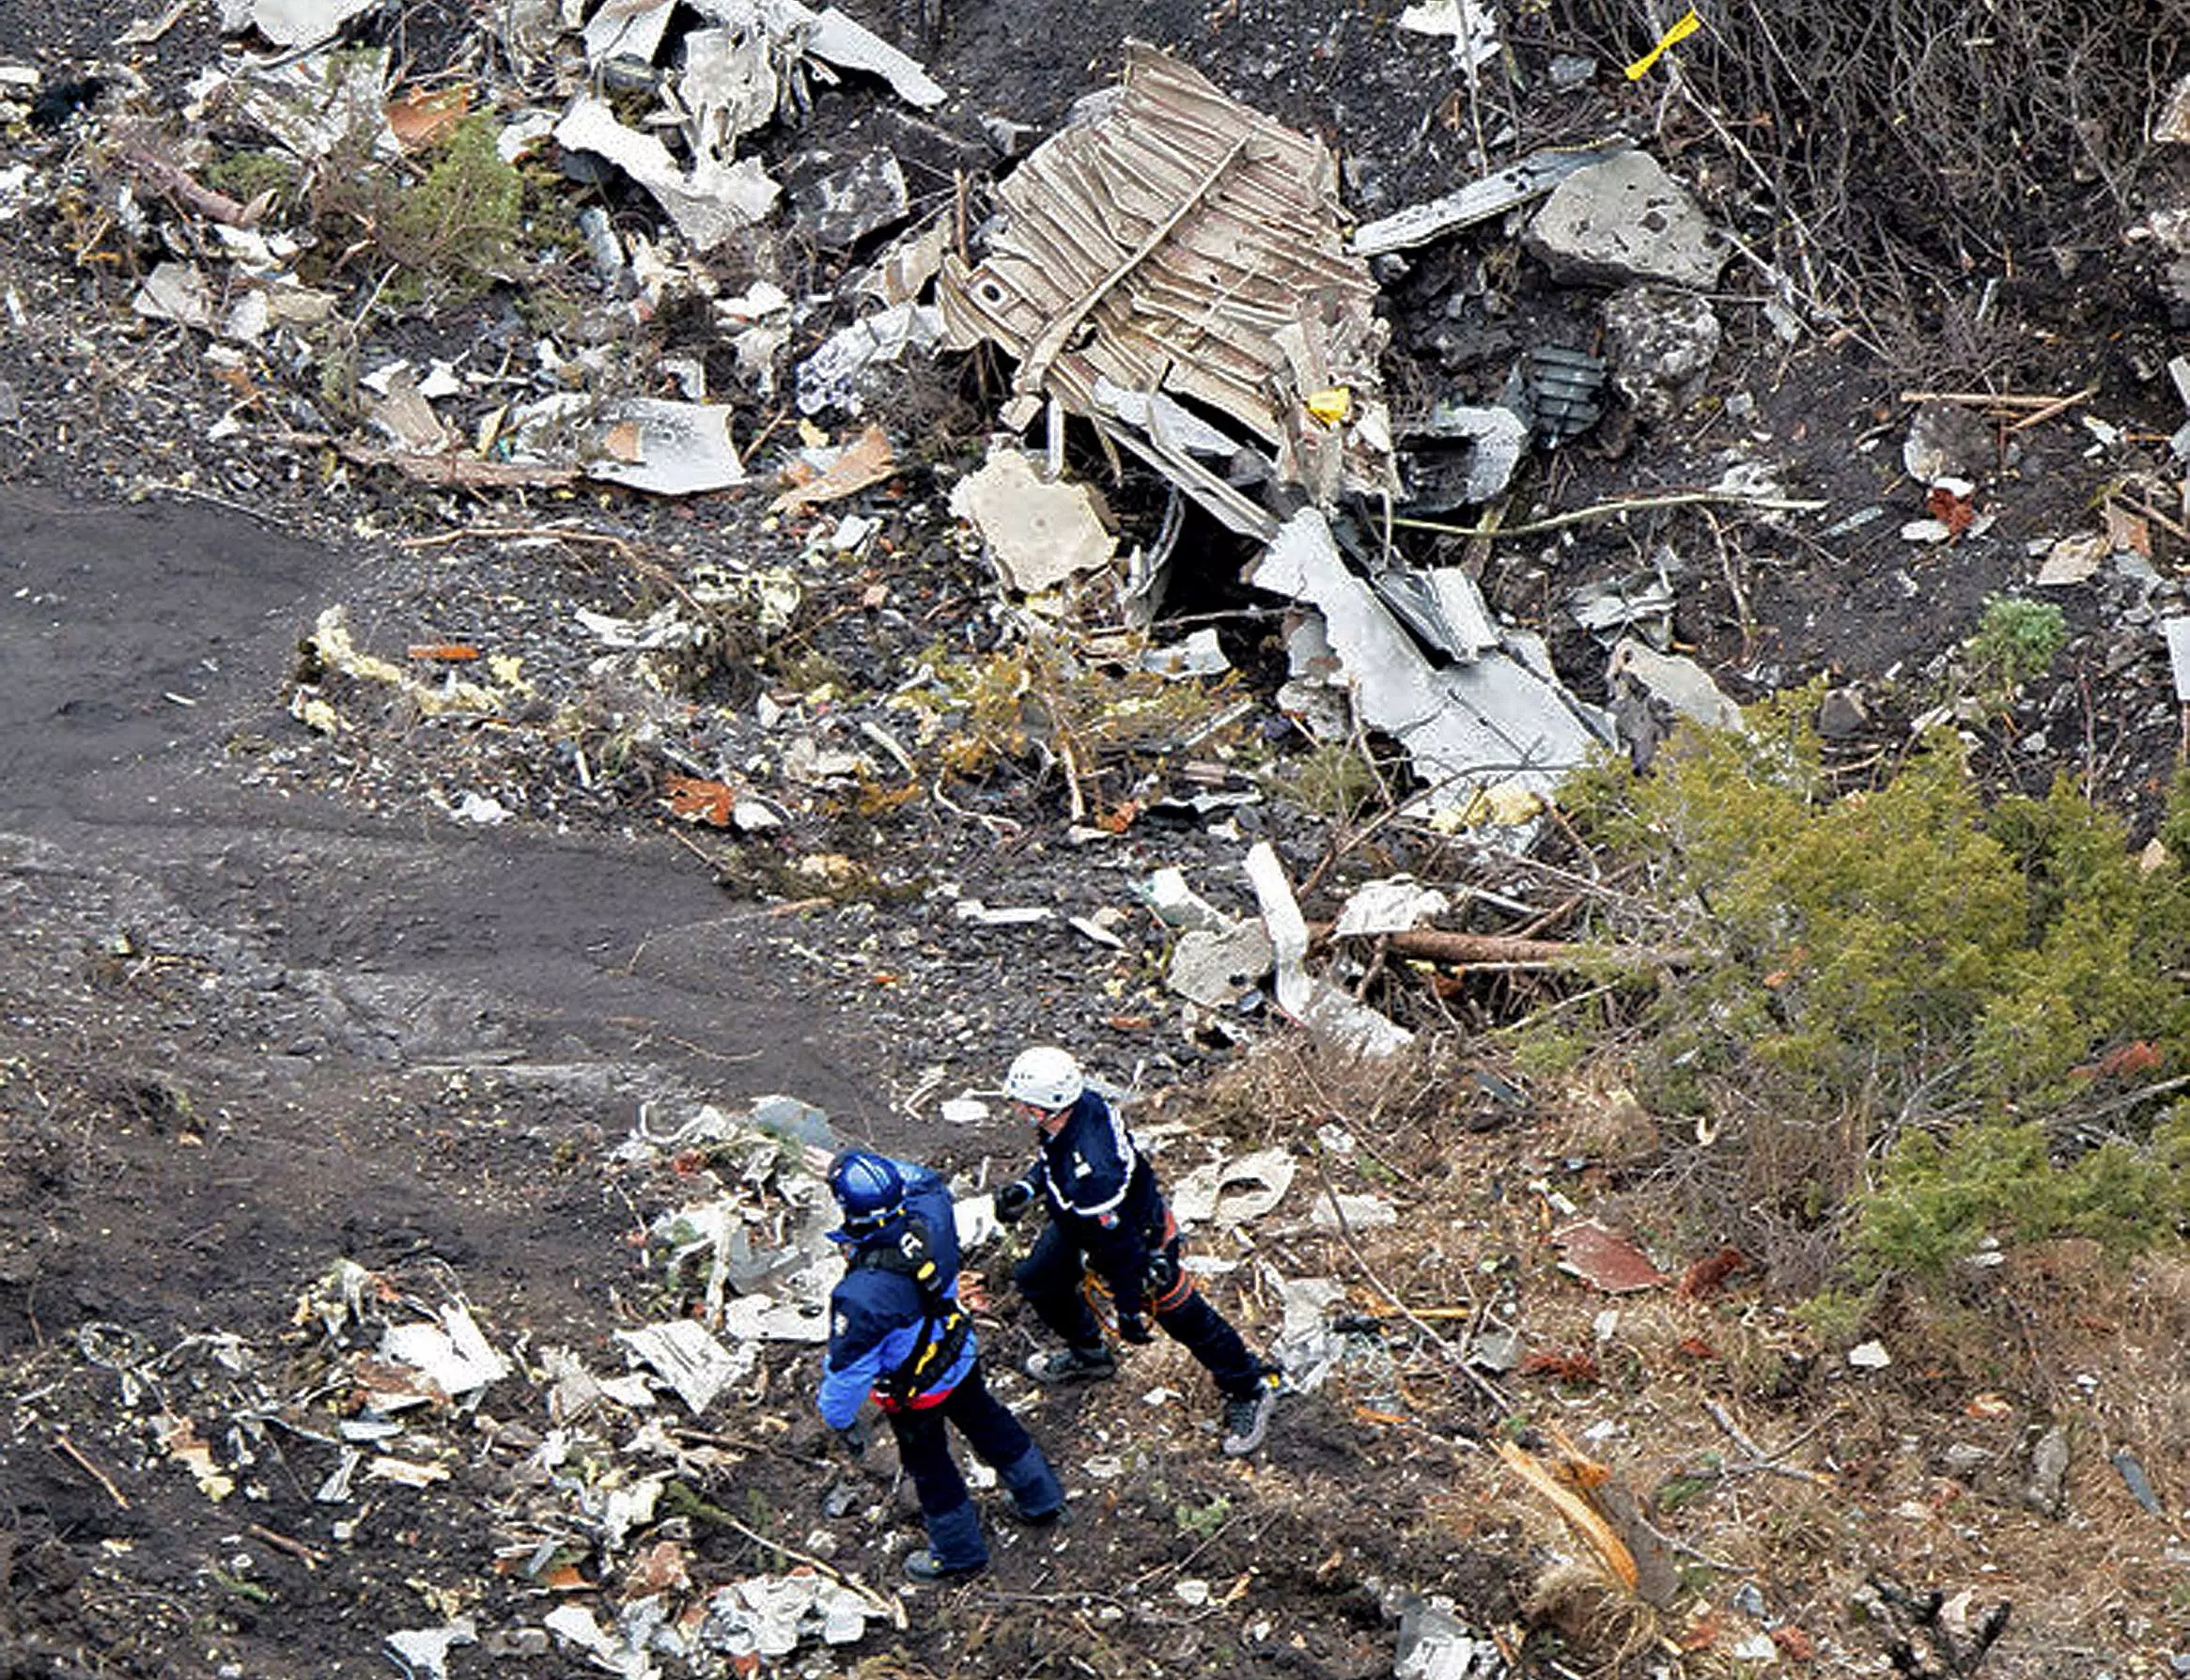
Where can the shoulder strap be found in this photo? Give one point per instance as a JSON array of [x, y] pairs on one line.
[[944, 1324]]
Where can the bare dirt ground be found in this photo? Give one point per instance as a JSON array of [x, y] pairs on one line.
[[265, 1005]]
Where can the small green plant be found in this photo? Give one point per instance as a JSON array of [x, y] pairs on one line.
[[1203, 1520], [1332, 780], [2016, 641], [447, 235]]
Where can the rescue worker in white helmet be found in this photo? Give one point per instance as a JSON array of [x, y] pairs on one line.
[[1107, 1215], [897, 1330]]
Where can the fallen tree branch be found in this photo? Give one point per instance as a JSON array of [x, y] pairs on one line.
[[172, 179], [1438, 944]]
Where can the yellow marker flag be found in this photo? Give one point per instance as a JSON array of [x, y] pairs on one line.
[[1687, 25]]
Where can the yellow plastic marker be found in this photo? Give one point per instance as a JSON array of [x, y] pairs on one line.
[[1687, 25], [1331, 407]]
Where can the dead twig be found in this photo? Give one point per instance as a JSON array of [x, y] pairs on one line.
[[310, 1556], [70, 1449], [1618, 508], [1760, 1461]]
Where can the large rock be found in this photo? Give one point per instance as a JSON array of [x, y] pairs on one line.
[[1626, 220]]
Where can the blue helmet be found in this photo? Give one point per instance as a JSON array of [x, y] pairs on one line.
[[869, 1187]]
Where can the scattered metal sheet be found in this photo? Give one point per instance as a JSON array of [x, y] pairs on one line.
[[1461, 455], [687, 1356], [291, 23], [1479, 200], [1472, 25], [1602, 1256], [1392, 906], [453, 1352], [1443, 607], [1218, 967], [1676, 679], [830, 377], [838, 40], [713, 199], [1234, 1191], [640, 443], [1180, 241], [1491, 739]]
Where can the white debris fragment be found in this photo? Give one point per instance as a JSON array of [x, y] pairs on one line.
[[1678, 681], [291, 23], [454, 1352], [176, 291], [319, 105], [1215, 967], [2177, 630], [1395, 905], [1492, 739], [829, 377], [426, 1650], [669, 449], [1351, 1211], [1472, 25], [1321, 1006], [1038, 533], [2073, 560], [1870, 1356], [1235, 1192], [709, 203], [851, 45], [761, 1318], [1198, 655]]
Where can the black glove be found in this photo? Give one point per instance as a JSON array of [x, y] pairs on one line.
[[1012, 1199], [1133, 1328], [854, 1437]]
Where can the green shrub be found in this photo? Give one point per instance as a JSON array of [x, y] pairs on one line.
[[1916, 1018]]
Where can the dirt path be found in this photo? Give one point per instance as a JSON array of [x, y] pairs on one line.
[[277, 971]]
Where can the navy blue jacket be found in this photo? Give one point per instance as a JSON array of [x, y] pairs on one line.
[[877, 1317], [1102, 1194]]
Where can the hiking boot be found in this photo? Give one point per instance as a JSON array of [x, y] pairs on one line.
[[1073, 1364], [1061, 1517], [1247, 1418], [921, 1567]]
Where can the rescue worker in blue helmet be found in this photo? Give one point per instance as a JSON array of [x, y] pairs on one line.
[[897, 1330], [1107, 1215]]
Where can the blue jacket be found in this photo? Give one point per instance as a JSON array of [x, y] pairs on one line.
[[1103, 1193], [877, 1318]]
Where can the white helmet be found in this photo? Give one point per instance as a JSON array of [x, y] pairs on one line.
[[1045, 1076]]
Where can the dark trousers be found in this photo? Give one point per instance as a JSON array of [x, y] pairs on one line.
[[1051, 1277], [1000, 1440]]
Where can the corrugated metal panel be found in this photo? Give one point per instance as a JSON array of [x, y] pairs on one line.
[[1183, 241]]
